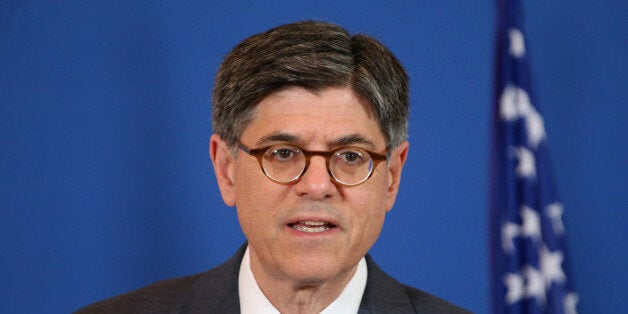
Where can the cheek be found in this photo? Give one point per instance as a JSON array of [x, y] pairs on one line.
[[256, 198], [374, 196], [370, 210], [248, 181], [248, 190], [367, 226]]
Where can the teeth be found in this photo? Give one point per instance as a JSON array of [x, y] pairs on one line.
[[310, 229], [312, 226], [312, 223]]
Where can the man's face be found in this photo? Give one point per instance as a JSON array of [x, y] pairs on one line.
[[272, 215]]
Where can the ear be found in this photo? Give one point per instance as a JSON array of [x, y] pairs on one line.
[[395, 165], [223, 162]]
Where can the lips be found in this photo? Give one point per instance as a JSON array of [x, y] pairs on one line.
[[312, 226]]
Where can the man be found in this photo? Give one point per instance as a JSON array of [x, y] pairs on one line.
[[310, 140]]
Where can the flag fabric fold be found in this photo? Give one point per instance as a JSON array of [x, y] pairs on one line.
[[529, 268]]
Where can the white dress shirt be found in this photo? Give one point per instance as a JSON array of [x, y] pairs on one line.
[[253, 300]]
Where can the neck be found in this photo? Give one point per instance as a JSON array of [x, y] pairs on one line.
[[299, 296]]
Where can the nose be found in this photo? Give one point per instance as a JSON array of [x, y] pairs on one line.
[[316, 182]]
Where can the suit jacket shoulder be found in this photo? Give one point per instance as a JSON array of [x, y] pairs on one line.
[[213, 291], [384, 294]]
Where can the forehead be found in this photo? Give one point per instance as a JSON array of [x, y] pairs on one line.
[[317, 118]]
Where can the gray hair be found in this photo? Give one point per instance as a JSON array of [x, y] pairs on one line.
[[312, 55]]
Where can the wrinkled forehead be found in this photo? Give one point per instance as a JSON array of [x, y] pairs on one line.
[[301, 115]]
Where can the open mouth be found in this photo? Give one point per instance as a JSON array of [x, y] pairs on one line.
[[312, 226]]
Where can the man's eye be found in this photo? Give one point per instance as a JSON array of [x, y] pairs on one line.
[[351, 157], [283, 154]]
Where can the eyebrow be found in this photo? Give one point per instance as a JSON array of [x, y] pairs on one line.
[[353, 139], [350, 139], [278, 137]]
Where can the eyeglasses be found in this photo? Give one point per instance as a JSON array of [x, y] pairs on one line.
[[285, 163]]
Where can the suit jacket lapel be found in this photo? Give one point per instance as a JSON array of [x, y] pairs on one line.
[[383, 294], [215, 291]]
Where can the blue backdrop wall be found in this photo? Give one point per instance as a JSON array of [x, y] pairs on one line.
[[105, 182]]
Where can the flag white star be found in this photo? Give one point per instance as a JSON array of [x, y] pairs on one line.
[[517, 47], [570, 303], [555, 212], [531, 223], [535, 286], [526, 168], [509, 102], [535, 127], [514, 283], [514, 103], [509, 232], [551, 266]]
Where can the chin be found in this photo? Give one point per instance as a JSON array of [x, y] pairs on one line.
[[314, 270]]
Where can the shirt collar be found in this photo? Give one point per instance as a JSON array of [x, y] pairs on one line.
[[253, 300]]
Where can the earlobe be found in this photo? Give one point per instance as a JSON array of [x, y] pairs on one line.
[[395, 167], [223, 162]]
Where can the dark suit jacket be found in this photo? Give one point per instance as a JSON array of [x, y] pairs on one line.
[[216, 291]]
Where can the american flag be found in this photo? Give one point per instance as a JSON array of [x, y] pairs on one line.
[[529, 268]]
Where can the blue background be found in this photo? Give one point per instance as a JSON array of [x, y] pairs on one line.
[[106, 186]]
